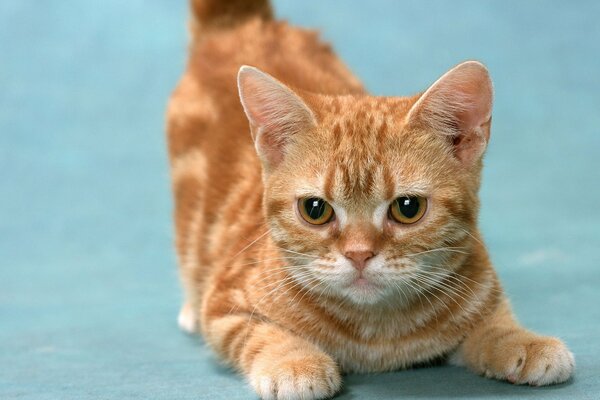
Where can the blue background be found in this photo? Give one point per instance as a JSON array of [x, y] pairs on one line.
[[88, 284]]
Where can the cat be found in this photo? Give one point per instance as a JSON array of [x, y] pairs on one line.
[[322, 230]]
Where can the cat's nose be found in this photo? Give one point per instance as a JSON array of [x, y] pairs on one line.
[[359, 258]]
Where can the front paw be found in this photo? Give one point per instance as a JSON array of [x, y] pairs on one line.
[[523, 358], [296, 376]]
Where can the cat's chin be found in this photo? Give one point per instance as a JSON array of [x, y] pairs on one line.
[[363, 291]]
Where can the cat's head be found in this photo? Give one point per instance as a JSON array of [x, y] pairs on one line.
[[369, 197]]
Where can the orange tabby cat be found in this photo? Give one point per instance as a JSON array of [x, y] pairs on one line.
[[338, 233]]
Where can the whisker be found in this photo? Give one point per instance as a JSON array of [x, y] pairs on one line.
[[462, 276], [450, 275], [434, 295], [419, 295], [297, 274], [401, 290], [283, 267], [251, 243], [436, 284], [450, 249], [269, 259], [301, 254], [286, 279], [296, 283], [323, 292], [306, 291], [281, 285], [473, 237]]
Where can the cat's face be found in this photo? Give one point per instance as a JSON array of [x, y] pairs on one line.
[[367, 205], [357, 199]]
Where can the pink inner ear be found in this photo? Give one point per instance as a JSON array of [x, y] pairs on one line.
[[459, 105], [271, 147], [478, 104]]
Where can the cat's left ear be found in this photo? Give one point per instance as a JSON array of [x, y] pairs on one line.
[[276, 114], [459, 106]]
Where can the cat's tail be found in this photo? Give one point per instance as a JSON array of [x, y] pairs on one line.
[[223, 14]]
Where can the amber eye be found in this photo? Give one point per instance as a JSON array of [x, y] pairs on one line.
[[408, 209], [315, 211]]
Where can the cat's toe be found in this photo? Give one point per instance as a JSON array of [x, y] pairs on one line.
[[535, 361], [523, 358], [548, 362], [307, 378]]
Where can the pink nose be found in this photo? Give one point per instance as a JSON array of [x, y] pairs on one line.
[[359, 258]]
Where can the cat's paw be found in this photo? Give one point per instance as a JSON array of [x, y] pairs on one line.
[[187, 320], [296, 376], [528, 359]]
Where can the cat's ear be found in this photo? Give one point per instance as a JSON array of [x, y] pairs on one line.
[[274, 111], [459, 106]]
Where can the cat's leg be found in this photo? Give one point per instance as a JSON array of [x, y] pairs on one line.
[[499, 348], [277, 363]]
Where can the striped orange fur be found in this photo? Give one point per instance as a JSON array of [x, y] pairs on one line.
[[287, 303]]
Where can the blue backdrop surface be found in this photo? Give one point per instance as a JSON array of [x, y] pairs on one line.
[[88, 285]]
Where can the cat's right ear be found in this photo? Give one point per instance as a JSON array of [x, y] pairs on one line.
[[275, 114]]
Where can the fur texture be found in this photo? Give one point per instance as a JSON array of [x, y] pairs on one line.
[[287, 303]]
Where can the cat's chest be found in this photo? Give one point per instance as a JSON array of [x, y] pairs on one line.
[[384, 344], [388, 353]]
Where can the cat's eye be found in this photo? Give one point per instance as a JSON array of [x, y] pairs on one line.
[[408, 209], [315, 211]]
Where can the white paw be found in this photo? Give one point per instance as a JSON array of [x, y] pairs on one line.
[[302, 378], [187, 319]]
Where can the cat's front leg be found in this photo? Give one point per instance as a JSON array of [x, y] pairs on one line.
[[277, 363], [499, 348]]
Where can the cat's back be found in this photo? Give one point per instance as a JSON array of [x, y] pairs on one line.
[[215, 171]]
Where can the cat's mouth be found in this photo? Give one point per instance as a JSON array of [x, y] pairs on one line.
[[364, 284]]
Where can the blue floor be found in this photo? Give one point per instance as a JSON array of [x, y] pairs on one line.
[[88, 285]]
